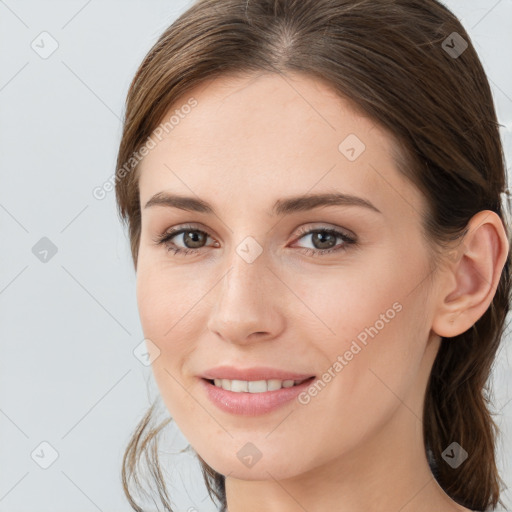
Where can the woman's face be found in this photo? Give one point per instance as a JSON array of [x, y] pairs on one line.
[[261, 288]]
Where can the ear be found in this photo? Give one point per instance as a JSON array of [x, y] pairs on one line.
[[473, 272]]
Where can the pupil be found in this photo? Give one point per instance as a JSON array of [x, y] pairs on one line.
[[190, 236], [322, 238]]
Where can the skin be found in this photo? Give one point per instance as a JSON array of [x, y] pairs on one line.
[[357, 445]]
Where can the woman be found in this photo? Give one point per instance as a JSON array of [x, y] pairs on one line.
[[313, 195]]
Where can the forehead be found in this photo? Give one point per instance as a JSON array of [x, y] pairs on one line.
[[265, 135]]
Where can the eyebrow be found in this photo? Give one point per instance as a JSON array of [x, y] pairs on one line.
[[281, 206]]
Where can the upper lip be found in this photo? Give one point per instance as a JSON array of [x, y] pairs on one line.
[[254, 373]]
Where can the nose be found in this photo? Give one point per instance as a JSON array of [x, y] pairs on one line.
[[247, 305]]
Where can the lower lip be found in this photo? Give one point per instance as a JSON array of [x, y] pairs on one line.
[[251, 404]]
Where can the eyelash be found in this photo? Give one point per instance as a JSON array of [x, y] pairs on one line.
[[164, 239]]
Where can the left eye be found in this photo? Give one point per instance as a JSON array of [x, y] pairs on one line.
[[324, 240], [324, 237]]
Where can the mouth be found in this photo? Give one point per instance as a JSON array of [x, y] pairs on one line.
[[251, 398], [256, 386]]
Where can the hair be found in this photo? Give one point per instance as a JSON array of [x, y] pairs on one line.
[[387, 57]]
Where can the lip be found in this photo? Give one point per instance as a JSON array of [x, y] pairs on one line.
[[252, 404], [254, 373]]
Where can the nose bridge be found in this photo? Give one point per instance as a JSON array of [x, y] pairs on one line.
[[243, 302], [243, 284]]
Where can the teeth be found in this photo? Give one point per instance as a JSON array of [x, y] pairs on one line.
[[255, 386]]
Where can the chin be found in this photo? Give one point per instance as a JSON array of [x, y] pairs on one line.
[[278, 467]]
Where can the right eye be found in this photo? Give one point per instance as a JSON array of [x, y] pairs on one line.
[[189, 235]]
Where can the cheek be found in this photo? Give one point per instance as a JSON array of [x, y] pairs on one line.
[[343, 302], [166, 299], [366, 324], [169, 302], [165, 367]]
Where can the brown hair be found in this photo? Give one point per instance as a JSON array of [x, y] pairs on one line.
[[395, 61]]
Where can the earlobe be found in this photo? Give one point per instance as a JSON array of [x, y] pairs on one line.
[[473, 272]]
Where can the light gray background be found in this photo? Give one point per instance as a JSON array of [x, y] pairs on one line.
[[69, 326]]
